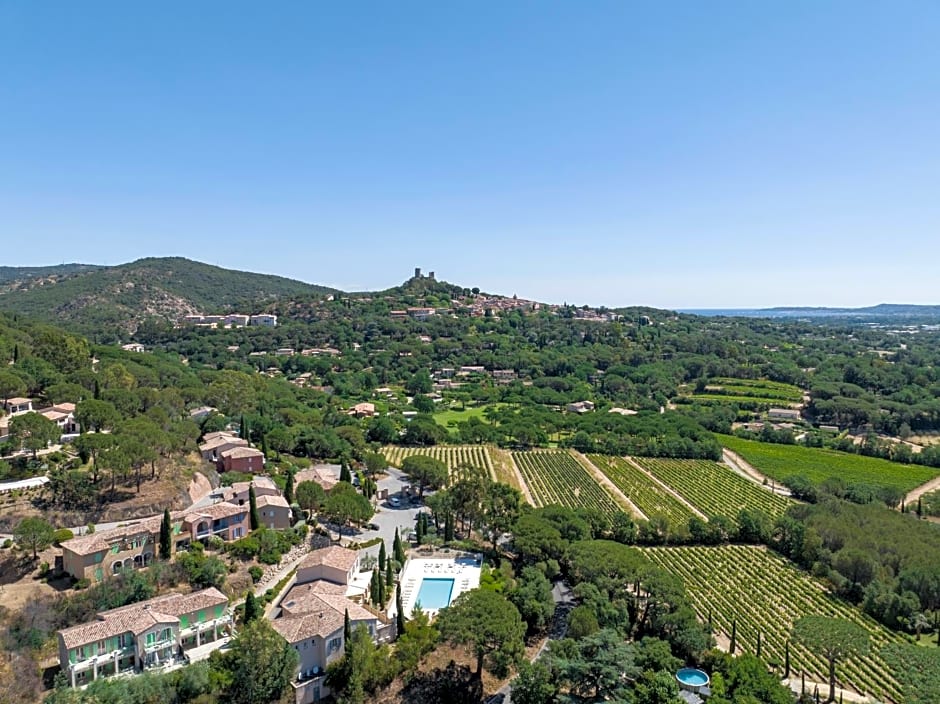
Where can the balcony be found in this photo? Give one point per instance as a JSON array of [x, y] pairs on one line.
[[160, 645], [101, 658]]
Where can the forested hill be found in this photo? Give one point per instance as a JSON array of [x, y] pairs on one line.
[[12, 275], [123, 296]]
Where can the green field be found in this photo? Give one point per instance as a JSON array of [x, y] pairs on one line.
[[782, 461], [450, 417], [713, 488], [764, 593], [748, 391]]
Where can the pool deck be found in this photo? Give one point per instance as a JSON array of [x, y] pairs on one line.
[[463, 569]]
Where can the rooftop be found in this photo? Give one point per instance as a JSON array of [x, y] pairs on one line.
[[333, 556]]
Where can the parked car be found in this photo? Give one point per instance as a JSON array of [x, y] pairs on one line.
[[394, 501]]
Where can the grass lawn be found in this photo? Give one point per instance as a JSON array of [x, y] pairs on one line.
[[817, 465], [450, 417]]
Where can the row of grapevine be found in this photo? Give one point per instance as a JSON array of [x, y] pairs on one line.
[[714, 488], [555, 477], [453, 456], [763, 593], [645, 494]]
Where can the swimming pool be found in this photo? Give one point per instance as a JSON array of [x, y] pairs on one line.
[[435, 593]]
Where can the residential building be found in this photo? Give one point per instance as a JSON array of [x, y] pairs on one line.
[[63, 415], [16, 406], [334, 564], [783, 414], [224, 520], [133, 347], [362, 410], [198, 414], [421, 313], [580, 407], [623, 411], [284, 352], [237, 319], [148, 634], [237, 493], [273, 512], [214, 444], [242, 459], [264, 319], [106, 552], [326, 477]]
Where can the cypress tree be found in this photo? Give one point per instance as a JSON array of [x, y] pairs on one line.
[[734, 636], [347, 628], [398, 549], [786, 660], [709, 619], [165, 528], [252, 608], [449, 528], [389, 575], [400, 616], [344, 475], [758, 644], [16, 353], [802, 684], [254, 522], [97, 391], [289, 487], [243, 428], [920, 508], [382, 592], [382, 556], [375, 588]]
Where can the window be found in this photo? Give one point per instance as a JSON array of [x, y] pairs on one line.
[[334, 645]]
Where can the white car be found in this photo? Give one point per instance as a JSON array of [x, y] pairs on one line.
[[394, 501]]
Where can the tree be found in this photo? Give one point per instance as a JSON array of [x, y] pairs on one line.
[[534, 685], [488, 624], [420, 383], [834, 639], [253, 518], [427, 472], [389, 576], [33, 534], [375, 462], [289, 486], [345, 505], [10, 385], [501, 504], [310, 496], [91, 444], [734, 636], [532, 595], [399, 612], [257, 668], [166, 528], [347, 627], [382, 556], [398, 550], [96, 415], [33, 431], [252, 608]]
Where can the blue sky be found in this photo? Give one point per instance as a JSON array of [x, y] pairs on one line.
[[675, 154]]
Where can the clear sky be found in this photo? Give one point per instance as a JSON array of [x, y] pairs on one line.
[[674, 154]]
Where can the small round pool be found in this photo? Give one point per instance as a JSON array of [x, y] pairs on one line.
[[692, 679]]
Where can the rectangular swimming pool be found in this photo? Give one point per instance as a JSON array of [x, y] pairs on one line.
[[435, 593]]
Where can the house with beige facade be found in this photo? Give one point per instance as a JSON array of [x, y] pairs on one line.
[[273, 512], [165, 630]]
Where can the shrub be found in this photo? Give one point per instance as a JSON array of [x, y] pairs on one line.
[[43, 569], [216, 543], [256, 573], [83, 583], [7, 543], [61, 535]]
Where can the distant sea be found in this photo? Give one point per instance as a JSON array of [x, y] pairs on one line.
[[733, 312]]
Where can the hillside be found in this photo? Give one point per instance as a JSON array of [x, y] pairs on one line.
[[14, 274], [119, 298]]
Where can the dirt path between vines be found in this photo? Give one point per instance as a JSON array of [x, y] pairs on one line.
[[748, 471], [915, 494], [611, 488], [666, 488]]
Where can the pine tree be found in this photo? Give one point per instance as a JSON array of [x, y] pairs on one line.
[[289, 487], [382, 556], [347, 628], [254, 522], [734, 636], [165, 530], [786, 660], [400, 616], [389, 575], [252, 608]]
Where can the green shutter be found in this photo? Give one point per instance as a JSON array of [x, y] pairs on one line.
[[184, 621], [98, 575], [73, 656], [115, 549], [99, 556], [151, 637], [218, 611]]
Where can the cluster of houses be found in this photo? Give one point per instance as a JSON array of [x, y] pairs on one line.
[[62, 414], [230, 453], [233, 320]]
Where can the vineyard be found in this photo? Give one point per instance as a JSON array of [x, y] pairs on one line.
[[555, 477], [453, 456], [646, 495], [782, 461], [764, 593], [714, 488], [749, 392]]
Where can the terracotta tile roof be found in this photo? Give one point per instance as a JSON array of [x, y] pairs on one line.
[[222, 441], [102, 540], [297, 628], [137, 618], [323, 477], [223, 509], [241, 452], [18, 401], [267, 500], [333, 556], [65, 407]]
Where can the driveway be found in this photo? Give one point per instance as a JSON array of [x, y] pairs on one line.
[[388, 518]]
